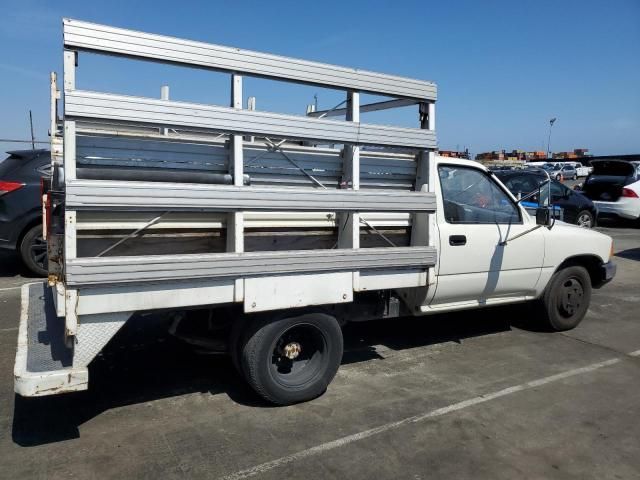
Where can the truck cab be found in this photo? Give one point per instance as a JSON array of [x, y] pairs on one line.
[[491, 251]]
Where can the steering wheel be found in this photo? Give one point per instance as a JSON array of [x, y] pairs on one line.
[[481, 200]]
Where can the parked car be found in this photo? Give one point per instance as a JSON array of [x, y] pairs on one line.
[[614, 187], [553, 170], [581, 170], [569, 172], [20, 206], [561, 171], [575, 207]]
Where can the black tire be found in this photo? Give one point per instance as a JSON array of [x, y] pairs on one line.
[[317, 340], [33, 251], [566, 299], [585, 219]]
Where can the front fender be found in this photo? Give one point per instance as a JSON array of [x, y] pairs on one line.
[[571, 245]]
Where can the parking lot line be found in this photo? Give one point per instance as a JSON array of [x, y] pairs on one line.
[[10, 288], [340, 442], [18, 286]]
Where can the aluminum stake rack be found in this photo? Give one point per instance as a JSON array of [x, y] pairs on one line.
[[248, 170]]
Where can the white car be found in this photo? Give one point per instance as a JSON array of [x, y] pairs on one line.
[[614, 187], [581, 170]]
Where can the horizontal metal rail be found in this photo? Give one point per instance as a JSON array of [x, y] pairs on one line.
[[83, 104], [369, 107], [159, 195], [79, 35], [110, 270]]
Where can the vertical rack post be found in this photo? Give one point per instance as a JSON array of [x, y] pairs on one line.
[[53, 110], [69, 163], [349, 223], [164, 95], [69, 125], [54, 135], [420, 222], [235, 220], [251, 105]]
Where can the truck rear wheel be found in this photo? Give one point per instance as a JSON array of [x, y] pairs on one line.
[[292, 359], [566, 299]]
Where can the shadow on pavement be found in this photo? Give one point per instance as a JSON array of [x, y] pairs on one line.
[[616, 222], [631, 254], [144, 363]]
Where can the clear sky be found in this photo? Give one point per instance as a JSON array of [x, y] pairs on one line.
[[503, 68]]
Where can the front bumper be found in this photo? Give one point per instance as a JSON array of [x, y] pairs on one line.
[[607, 273]]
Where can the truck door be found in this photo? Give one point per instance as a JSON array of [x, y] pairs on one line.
[[474, 216]]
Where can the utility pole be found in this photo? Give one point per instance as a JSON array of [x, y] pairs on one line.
[[33, 139], [551, 122]]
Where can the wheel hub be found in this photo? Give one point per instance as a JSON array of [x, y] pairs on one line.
[[571, 299], [584, 221], [292, 350]]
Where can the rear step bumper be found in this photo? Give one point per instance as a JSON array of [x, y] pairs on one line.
[[43, 362]]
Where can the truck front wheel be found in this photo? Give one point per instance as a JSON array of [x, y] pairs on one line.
[[566, 299], [292, 359]]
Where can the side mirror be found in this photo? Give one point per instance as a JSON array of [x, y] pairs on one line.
[[543, 212], [543, 216], [544, 193]]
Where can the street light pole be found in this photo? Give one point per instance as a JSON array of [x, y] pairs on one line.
[[551, 122], [33, 139]]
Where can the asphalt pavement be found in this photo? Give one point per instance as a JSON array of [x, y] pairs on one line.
[[477, 394]]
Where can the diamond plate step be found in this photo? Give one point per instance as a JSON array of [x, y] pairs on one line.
[[43, 363]]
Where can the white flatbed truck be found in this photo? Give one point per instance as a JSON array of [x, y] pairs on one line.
[[285, 227]]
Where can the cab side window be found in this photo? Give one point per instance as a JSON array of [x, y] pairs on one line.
[[471, 197]]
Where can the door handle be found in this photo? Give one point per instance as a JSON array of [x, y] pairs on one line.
[[457, 240]]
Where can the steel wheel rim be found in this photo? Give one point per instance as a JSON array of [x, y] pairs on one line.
[[570, 297], [38, 252], [584, 220], [307, 365]]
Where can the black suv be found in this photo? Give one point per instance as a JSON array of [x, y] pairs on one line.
[[20, 206], [577, 208]]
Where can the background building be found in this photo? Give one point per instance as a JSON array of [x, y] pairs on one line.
[[534, 156], [455, 153]]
